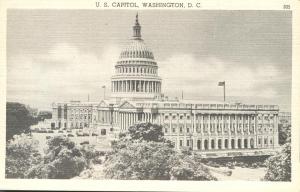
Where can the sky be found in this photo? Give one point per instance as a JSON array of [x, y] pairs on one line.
[[63, 55]]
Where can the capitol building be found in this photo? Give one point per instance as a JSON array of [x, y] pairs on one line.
[[136, 96]]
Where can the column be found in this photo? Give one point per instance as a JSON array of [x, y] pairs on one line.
[[229, 142], [184, 127], [209, 124], [242, 143], [132, 118], [249, 124], [151, 86], [235, 142], [194, 123], [127, 86], [121, 121], [202, 144], [223, 143], [248, 142], [202, 124], [236, 124], [194, 143], [159, 87], [129, 120]]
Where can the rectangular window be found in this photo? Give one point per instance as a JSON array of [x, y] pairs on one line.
[[180, 129], [188, 143], [166, 130], [180, 143], [187, 130], [173, 130]]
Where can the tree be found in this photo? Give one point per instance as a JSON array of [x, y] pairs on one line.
[[21, 155], [44, 115], [143, 153], [188, 167], [284, 133], [140, 160], [18, 119], [63, 160], [145, 131], [279, 165]]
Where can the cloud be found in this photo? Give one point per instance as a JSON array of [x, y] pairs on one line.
[[61, 74], [67, 73], [200, 77]]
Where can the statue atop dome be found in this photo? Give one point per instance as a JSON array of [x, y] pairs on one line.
[[137, 28]]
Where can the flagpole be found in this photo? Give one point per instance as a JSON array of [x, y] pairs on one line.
[[104, 93], [104, 87], [224, 91]]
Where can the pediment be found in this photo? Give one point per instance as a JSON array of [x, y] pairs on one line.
[[103, 104], [127, 105]]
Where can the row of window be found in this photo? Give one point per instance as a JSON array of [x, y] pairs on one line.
[[218, 128], [217, 117], [79, 125], [80, 116], [137, 54], [148, 70]]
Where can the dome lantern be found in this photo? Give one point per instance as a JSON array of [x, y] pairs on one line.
[[137, 28]]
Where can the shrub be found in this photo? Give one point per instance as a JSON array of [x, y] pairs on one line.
[[279, 165], [21, 155]]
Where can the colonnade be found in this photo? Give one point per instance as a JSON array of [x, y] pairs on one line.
[[136, 86], [225, 143]]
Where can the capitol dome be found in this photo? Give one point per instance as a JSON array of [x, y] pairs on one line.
[[136, 49], [136, 70]]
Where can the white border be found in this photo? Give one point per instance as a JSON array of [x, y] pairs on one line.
[[107, 185]]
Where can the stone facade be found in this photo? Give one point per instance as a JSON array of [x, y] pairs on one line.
[[136, 97]]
